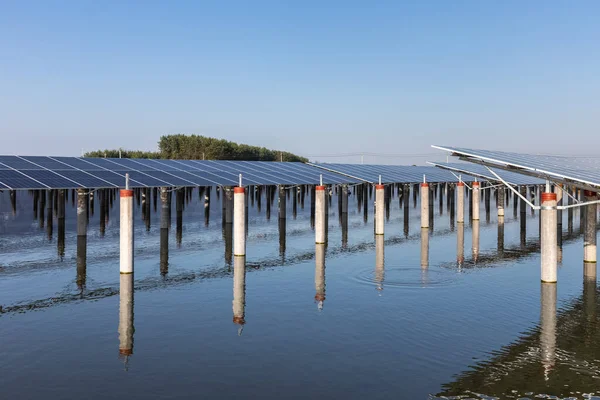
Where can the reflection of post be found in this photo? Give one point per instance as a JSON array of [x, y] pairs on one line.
[[61, 223], [239, 292], [424, 247], [589, 298], [320, 275], [548, 327], [164, 251], [475, 235], [379, 261], [500, 236], [460, 243], [126, 316], [282, 238], [228, 238]]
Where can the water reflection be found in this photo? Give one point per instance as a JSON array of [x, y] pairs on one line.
[[320, 275], [559, 358], [282, 237], [126, 329], [460, 244], [548, 327], [500, 236], [475, 237], [239, 292], [379, 261], [424, 247]]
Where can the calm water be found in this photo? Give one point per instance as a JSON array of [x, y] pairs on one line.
[[361, 318]]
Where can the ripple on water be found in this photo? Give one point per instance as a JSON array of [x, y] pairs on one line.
[[405, 277]]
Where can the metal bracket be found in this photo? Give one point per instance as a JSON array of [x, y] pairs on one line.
[[513, 189]]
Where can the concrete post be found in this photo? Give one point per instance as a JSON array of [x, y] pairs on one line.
[[239, 291], [320, 215], [500, 201], [320, 274], [379, 209], [126, 231], [424, 205], [344, 194], [379, 262], [475, 199], [590, 221], [228, 202], [239, 228], [81, 213], [126, 314], [282, 203], [460, 202], [548, 238]]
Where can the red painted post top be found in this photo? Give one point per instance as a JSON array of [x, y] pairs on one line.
[[460, 184], [377, 187], [548, 197], [589, 193], [239, 189], [320, 188], [475, 184], [126, 193], [424, 184]]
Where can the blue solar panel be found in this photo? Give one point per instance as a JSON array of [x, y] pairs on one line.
[[46, 162], [51, 179], [87, 180], [146, 179], [116, 178], [17, 163], [77, 163], [16, 180], [100, 163]]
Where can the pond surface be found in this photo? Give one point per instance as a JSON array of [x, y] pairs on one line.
[[405, 316]]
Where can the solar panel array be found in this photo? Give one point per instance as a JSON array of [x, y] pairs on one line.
[[582, 170], [38, 172], [393, 173], [482, 172]]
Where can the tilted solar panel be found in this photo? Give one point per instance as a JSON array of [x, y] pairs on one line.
[[585, 171]]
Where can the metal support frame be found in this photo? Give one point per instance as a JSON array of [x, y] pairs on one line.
[[547, 184]]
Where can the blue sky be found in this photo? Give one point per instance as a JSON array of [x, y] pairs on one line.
[[316, 78]]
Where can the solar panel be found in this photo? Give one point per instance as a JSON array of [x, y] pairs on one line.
[[392, 173], [51, 179], [46, 162], [567, 169], [481, 172], [86, 179], [16, 180], [15, 162]]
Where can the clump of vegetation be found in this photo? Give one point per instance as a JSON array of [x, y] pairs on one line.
[[197, 147]]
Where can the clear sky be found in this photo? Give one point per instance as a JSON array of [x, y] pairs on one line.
[[318, 78]]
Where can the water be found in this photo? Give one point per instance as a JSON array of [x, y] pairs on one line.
[[361, 318]]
